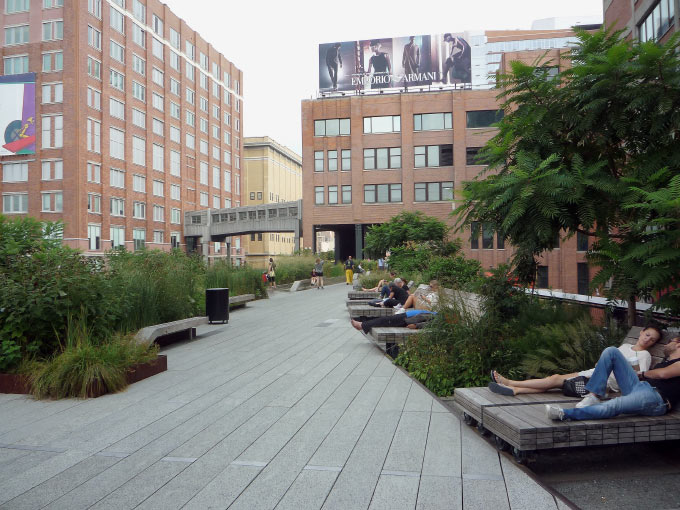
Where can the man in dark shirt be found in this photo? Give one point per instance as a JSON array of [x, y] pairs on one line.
[[398, 295], [651, 393]]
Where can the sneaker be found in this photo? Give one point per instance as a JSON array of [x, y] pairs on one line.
[[554, 412], [589, 400], [399, 311], [397, 306]]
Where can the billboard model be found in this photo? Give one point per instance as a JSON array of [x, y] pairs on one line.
[[394, 63], [17, 114]]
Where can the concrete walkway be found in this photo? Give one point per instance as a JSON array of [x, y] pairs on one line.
[[285, 407]]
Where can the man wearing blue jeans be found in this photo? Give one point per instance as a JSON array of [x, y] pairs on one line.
[[651, 393]]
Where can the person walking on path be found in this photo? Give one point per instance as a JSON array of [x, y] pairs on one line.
[[349, 270], [318, 271], [271, 273]]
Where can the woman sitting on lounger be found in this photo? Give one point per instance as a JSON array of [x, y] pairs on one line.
[[504, 386]]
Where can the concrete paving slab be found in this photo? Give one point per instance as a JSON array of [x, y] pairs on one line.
[[485, 494], [221, 491], [395, 493], [309, 490], [478, 457], [418, 400], [443, 450], [523, 491], [408, 446], [440, 493]]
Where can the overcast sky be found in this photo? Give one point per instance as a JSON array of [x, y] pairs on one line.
[[275, 42]]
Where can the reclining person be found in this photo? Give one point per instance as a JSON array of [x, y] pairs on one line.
[[382, 287], [425, 297], [412, 319], [398, 294], [649, 392], [504, 386]]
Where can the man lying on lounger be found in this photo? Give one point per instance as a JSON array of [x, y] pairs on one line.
[[412, 319], [649, 393]]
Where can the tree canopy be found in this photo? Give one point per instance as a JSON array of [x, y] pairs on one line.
[[593, 150], [401, 229]]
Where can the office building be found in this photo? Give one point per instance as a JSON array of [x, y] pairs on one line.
[[643, 19]]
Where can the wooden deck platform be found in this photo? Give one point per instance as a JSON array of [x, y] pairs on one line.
[[362, 294], [369, 311]]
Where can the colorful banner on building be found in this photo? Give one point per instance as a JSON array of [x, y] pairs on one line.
[[397, 62], [17, 114]]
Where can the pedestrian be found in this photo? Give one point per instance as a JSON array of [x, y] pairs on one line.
[[271, 273], [381, 264], [349, 270], [318, 271]]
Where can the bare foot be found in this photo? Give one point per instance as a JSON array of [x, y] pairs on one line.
[[355, 324], [412, 326], [501, 379]]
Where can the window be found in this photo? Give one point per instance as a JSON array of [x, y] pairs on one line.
[[175, 163], [174, 110], [174, 87], [139, 183], [94, 135], [332, 195], [117, 178], [117, 236], [216, 177], [190, 71], [216, 202], [157, 77], [158, 154], [487, 237], [52, 61], [203, 104], [318, 195], [433, 191], [94, 68], [581, 242], [384, 124], [158, 213], [117, 207], [117, 52], [433, 156], [15, 172], [15, 203], [52, 132], [203, 125], [157, 101], [346, 160], [138, 64], [139, 118], [52, 4], [13, 6], [175, 215], [472, 156], [116, 108], [203, 198], [139, 10], [174, 39], [94, 236], [474, 235], [583, 278], [227, 181], [174, 60], [117, 80], [347, 194], [227, 157], [53, 30], [190, 50], [157, 48], [94, 172], [117, 143], [216, 132], [203, 81], [227, 118], [227, 203], [139, 91], [138, 151], [94, 203], [138, 35], [117, 20], [158, 187], [158, 127], [227, 79], [93, 6], [500, 241], [216, 152], [191, 96], [52, 170], [203, 60], [542, 277], [203, 173], [175, 191], [382, 193], [52, 201], [216, 88], [139, 210], [655, 25], [54, 93], [332, 161], [483, 118], [17, 64], [157, 25], [203, 148], [139, 238], [432, 121], [382, 158], [190, 141], [18, 35], [175, 134], [331, 127], [318, 161]]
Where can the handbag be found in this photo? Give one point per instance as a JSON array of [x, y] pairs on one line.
[[575, 387]]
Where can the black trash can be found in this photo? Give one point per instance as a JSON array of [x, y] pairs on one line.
[[217, 305]]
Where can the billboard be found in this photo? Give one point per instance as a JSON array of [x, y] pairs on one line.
[[396, 62], [17, 114]]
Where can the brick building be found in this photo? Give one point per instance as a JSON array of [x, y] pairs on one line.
[[138, 118], [643, 19], [367, 156]]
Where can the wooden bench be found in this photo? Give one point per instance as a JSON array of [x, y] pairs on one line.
[[362, 294], [237, 301], [520, 423], [392, 338], [369, 311], [150, 334]]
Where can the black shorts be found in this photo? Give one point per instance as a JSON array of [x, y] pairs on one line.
[[319, 274], [271, 278]]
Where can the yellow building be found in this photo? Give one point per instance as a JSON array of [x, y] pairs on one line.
[[272, 173]]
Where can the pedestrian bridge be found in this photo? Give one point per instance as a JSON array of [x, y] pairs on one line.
[[217, 224]]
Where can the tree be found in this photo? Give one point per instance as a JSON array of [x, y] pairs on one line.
[[401, 229], [592, 150]]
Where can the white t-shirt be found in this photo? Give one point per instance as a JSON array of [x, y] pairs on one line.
[[644, 360]]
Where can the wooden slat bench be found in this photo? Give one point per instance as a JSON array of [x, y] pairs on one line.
[[236, 301], [392, 338], [369, 311], [150, 334], [362, 294], [520, 422]]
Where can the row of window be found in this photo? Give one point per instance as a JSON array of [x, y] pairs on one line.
[[52, 170], [52, 61], [52, 30], [117, 208], [117, 237], [657, 22], [421, 122], [385, 158], [385, 193], [14, 6], [487, 235], [117, 22]]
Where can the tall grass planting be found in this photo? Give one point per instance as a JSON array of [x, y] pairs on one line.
[[239, 280], [292, 268]]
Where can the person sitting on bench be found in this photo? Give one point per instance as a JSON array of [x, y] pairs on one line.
[[649, 393], [424, 298], [382, 287], [503, 386], [412, 319]]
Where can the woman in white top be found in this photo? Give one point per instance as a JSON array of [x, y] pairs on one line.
[[648, 337]]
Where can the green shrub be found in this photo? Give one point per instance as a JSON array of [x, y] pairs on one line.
[[292, 268], [371, 280], [239, 280]]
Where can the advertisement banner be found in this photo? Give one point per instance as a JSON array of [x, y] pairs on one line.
[[17, 114], [397, 62]]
